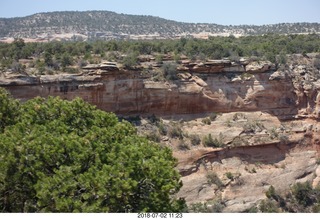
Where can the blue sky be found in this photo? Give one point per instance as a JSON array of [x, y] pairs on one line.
[[227, 12]]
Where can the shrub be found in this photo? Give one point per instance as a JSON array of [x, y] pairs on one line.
[[130, 60], [206, 121], [153, 136], [252, 127], [175, 131], [208, 141], [215, 206], [199, 208], [68, 156], [268, 206], [9, 109], [273, 133], [195, 139], [246, 76], [212, 178], [153, 118], [213, 116], [271, 193], [284, 139], [183, 145], [238, 116], [229, 175], [163, 130], [170, 71], [303, 193]]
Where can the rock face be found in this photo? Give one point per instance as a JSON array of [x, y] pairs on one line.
[[253, 156], [210, 87]]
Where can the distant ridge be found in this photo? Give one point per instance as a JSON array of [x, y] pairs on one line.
[[111, 25]]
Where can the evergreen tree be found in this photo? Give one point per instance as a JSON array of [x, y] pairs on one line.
[[67, 156]]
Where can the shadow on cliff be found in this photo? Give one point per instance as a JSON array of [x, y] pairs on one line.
[[260, 154]]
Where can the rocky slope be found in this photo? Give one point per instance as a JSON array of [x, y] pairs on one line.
[[267, 124]]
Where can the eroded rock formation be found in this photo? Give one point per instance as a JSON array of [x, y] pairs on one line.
[[209, 87], [286, 101]]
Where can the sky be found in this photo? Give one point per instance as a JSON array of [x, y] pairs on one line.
[[226, 12]]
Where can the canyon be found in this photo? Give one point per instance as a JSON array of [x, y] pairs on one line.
[[267, 119]]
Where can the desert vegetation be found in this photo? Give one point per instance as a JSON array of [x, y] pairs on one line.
[[302, 197], [68, 156], [55, 57]]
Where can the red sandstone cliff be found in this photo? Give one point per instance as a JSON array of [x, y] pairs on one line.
[[206, 87], [285, 99]]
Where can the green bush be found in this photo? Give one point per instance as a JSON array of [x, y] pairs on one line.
[[268, 206], [206, 121], [303, 193], [170, 71], [208, 141], [9, 109], [175, 131], [153, 136], [67, 156], [212, 178], [182, 145], [195, 139], [229, 175], [163, 130], [213, 116], [130, 60]]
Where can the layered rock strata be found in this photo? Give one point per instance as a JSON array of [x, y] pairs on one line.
[[215, 86], [275, 100]]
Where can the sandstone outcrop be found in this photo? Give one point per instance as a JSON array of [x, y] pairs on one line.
[[269, 123], [214, 86], [263, 160]]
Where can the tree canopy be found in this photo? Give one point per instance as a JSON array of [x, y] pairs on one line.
[[68, 156]]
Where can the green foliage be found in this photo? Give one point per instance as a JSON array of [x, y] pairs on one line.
[[284, 139], [8, 109], [182, 145], [213, 116], [271, 193], [153, 119], [170, 71], [303, 193], [246, 76], [159, 58], [175, 131], [130, 60], [163, 130], [253, 126], [206, 121], [214, 206], [212, 178], [153, 136], [267, 206], [195, 139], [66, 60], [229, 175], [67, 156], [301, 198], [208, 141], [55, 54], [238, 116], [199, 208], [252, 209]]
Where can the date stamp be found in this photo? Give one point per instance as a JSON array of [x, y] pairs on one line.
[[160, 215]]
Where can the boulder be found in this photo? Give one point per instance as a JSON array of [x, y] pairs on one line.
[[259, 67]]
